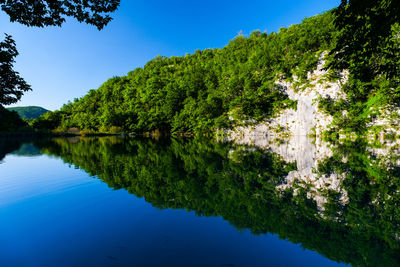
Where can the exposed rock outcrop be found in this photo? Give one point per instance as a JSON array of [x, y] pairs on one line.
[[305, 120], [287, 135]]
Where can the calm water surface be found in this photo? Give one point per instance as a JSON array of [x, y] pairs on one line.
[[111, 202]]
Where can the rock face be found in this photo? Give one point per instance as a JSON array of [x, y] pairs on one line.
[[308, 116], [306, 119], [287, 135]]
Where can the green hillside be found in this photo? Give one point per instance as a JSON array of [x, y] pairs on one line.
[[199, 92], [207, 90], [30, 112]]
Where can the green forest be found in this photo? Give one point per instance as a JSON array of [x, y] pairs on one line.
[[198, 92], [215, 88]]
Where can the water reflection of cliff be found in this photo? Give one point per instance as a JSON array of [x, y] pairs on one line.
[[340, 201]]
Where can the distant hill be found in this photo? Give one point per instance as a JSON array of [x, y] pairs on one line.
[[30, 112]]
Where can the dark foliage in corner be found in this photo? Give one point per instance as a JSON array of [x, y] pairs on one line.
[[12, 86], [53, 12]]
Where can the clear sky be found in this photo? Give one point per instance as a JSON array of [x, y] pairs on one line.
[[62, 63]]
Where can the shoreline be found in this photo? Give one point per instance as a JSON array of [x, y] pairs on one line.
[[43, 134]]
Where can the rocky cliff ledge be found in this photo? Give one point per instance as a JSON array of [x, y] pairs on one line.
[[306, 120]]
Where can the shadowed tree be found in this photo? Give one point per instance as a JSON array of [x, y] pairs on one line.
[[53, 12], [368, 40], [12, 86]]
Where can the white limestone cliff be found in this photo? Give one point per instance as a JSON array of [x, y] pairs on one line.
[[306, 119], [287, 135]]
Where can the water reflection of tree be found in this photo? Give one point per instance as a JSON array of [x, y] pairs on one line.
[[240, 185], [8, 145], [373, 188]]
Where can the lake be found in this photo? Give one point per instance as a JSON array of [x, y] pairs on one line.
[[192, 202]]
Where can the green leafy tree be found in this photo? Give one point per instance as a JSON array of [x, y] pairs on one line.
[[368, 46], [12, 85], [364, 44]]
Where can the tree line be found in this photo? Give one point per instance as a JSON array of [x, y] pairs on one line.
[[199, 92], [205, 90], [215, 88]]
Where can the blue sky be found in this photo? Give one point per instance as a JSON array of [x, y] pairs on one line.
[[62, 63]]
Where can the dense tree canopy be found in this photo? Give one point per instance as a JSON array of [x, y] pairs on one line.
[[199, 92], [213, 88], [53, 12], [368, 41], [368, 45]]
